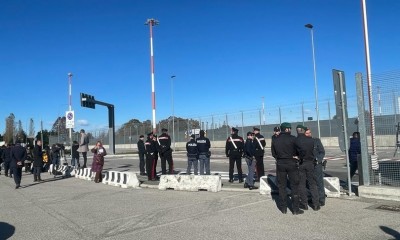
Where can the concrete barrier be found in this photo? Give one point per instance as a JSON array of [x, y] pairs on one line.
[[129, 179], [210, 183], [265, 189], [79, 173], [332, 186], [121, 179]]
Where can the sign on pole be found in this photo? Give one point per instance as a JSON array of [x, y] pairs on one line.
[[70, 119]]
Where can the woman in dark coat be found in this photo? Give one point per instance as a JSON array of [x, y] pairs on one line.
[[354, 150], [98, 161]]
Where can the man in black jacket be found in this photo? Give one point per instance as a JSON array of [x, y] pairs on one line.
[[18, 156], [259, 144], [305, 148], [283, 149], [141, 152], [151, 151], [37, 161], [249, 151], [7, 160], [192, 154], [203, 147], [165, 150], [234, 150]]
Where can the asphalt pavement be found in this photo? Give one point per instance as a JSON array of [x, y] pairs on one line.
[[70, 208]]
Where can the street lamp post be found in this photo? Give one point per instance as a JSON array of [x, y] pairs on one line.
[[70, 106], [173, 115], [310, 26]]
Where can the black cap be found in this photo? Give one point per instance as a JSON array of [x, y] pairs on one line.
[[249, 133], [235, 130], [193, 136], [82, 130], [256, 129], [164, 130], [277, 129], [149, 134], [141, 136], [202, 132]]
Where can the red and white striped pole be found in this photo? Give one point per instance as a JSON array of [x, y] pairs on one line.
[[152, 22]]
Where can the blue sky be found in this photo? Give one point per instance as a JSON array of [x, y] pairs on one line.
[[225, 54]]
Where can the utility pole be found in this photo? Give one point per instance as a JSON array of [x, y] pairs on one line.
[[152, 22]]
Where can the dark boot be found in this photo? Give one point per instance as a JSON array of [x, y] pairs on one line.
[[35, 178]]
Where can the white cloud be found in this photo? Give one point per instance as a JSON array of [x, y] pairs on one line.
[[83, 122]]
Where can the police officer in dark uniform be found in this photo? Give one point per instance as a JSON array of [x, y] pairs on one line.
[[203, 146], [18, 156], [305, 148], [283, 149], [249, 151], [319, 154], [234, 150], [151, 150], [165, 151], [37, 161], [192, 154], [277, 131], [259, 143], [141, 152]]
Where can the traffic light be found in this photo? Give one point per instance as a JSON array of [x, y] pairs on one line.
[[88, 101]]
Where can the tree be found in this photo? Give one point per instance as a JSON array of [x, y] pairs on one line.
[[21, 135], [45, 140], [10, 128]]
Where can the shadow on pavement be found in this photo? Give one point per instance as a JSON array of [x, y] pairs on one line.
[[390, 231], [6, 230]]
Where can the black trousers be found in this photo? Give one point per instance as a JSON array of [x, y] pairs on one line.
[[238, 161], [288, 168], [142, 163], [150, 166], [167, 157], [17, 173], [84, 154], [353, 168], [319, 177], [7, 169], [306, 173], [260, 166]]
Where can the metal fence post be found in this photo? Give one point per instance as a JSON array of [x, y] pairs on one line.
[[364, 173]]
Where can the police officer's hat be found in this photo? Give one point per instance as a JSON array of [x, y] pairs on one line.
[[82, 130], [235, 130], [164, 130], [256, 129], [301, 127], [285, 125], [150, 134], [141, 136], [277, 129], [249, 133], [193, 136]]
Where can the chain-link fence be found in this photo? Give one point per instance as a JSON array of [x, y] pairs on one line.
[[384, 143]]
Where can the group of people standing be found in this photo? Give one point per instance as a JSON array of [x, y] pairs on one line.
[[299, 160], [152, 148]]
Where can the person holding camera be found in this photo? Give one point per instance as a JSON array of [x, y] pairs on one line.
[[98, 161]]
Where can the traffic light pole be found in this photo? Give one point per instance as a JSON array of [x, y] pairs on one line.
[[111, 118]]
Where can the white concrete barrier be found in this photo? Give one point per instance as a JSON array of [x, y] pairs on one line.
[[210, 183], [265, 189], [332, 186], [111, 178], [128, 179], [121, 179], [79, 173]]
